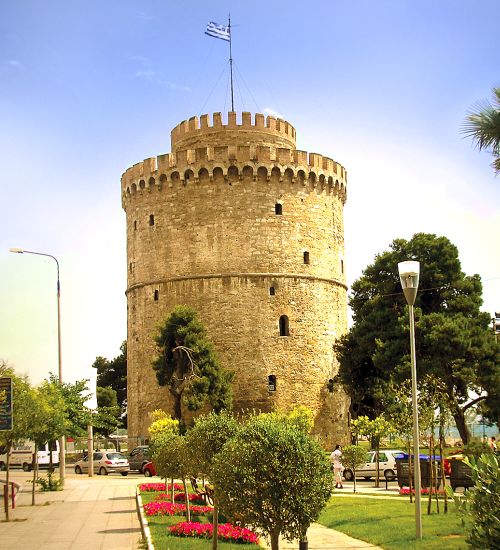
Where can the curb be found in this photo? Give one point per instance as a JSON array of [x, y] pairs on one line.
[[146, 533]]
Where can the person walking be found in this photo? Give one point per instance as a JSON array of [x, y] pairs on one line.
[[335, 459], [493, 444]]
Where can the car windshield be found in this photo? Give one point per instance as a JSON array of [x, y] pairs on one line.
[[116, 456]]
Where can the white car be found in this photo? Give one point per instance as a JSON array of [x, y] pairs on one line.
[[105, 462], [386, 466]]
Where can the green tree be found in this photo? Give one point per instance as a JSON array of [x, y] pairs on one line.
[[374, 429], [188, 366], [23, 405], [274, 476], [352, 457], [203, 442], [48, 423], [171, 458], [113, 374], [454, 342], [107, 418], [483, 126]]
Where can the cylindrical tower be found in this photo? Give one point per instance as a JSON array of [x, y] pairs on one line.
[[248, 230]]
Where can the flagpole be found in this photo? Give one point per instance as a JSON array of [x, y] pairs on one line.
[[231, 63]]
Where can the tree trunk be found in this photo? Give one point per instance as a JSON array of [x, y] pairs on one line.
[[172, 491], [275, 539], [215, 524], [410, 482], [462, 428], [441, 470], [6, 502], [177, 406], [186, 496], [35, 475]]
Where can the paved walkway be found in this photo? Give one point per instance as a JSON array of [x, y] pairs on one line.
[[91, 514], [100, 513]]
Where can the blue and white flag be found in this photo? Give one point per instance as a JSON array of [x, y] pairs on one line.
[[218, 31]]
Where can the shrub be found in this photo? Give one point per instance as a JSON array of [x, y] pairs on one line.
[[483, 502], [274, 476]]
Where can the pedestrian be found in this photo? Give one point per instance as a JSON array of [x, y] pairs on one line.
[[493, 444], [337, 466]]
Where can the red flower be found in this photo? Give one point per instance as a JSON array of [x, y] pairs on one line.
[[225, 531]]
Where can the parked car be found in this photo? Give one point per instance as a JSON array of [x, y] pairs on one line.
[[386, 467], [139, 457], [149, 469], [105, 462]]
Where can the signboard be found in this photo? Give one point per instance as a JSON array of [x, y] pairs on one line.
[[5, 403]]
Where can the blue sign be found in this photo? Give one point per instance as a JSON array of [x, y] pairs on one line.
[[5, 403]]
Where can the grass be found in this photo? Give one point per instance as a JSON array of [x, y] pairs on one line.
[[162, 540], [390, 523]]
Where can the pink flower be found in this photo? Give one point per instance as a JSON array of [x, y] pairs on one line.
[[225, 531], [169, 509]]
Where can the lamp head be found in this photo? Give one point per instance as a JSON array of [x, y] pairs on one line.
[[409, 273], [16, 250]]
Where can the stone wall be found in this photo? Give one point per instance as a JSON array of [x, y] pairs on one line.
[[217, 224]]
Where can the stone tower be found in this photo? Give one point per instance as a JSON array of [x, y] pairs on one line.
[[240, 225]]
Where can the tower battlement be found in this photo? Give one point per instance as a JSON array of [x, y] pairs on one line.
[[239, 224], [266, 130]]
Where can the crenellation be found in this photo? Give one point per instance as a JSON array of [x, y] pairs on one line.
[[217, 120], [193, 124], [219, 246], [246, 119]]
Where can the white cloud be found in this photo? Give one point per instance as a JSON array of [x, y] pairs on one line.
[[271, 112]]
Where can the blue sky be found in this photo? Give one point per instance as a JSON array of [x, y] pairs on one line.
[[90, 88]]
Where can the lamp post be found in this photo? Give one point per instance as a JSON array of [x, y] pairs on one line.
[[62, 444], [409, 273]]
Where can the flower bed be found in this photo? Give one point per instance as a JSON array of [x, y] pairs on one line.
[[154, 487], [168, 509], [226, 531], [181, 497], [423, 491]]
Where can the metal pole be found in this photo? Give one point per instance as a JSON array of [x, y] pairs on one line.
[[416, 449], [62, 439], [231, 63], [90, 447]]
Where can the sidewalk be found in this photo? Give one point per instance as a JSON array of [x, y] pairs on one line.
[[91, 513], [100, 513], [320, 537]]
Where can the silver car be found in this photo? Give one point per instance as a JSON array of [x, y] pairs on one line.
[[386, 465], [105, 462]]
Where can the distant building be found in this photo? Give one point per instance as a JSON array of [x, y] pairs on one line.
[[248, 230]]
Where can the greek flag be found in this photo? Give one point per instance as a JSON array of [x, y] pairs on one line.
[[218, 31]]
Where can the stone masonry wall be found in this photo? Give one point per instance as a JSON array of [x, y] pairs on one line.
[[215, 225]]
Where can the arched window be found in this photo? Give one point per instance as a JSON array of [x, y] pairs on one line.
[[151, 219], [272, 291], [156, 295], [278, 209], [271, 382], [306, 257], [284, 328]]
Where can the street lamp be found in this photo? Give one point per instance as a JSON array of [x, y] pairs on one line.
[[409, 273], [62, 445]]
